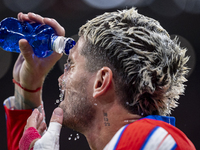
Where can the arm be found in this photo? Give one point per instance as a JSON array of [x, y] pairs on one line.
[[29, 71], [32, 139]]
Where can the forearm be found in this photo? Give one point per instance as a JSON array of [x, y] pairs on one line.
[[27, 100]]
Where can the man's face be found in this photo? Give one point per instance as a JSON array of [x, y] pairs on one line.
[[77, 82]]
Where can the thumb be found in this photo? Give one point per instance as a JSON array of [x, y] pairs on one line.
[[50, 140], [57, 115], [26, 49]]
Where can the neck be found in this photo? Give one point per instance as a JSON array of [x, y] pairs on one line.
[[106, 124]]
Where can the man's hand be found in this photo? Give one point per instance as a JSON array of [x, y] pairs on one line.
[[36, 120], [29, 70], [35, 126]]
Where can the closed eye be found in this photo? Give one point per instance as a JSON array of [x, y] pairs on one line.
[[68, 65]]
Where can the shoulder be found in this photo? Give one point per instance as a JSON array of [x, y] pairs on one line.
[[146, 134], [150, 134]]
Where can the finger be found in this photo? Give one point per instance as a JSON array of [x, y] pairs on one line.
[[53, 58], [39, 120], [55, 25], [26, 50], [20, 59], [41, 110], [57, 115], [42, 128], [23, 17], [35, 18], [32, 120], [19, 16]]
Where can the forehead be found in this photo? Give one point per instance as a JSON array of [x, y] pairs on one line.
[[79, 45], [75, 52]]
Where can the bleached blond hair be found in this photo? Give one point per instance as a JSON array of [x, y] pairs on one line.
[[149, 68]]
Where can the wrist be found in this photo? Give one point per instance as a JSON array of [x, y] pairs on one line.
[[28, 139], [27, 99], [32, 144], [31, 82], [26, 89]]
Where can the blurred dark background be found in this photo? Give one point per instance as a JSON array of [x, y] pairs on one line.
[[179, 17]]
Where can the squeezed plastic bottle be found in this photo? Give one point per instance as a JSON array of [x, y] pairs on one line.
[[42, 38]]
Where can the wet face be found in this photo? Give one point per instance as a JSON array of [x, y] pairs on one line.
[[77, 82]]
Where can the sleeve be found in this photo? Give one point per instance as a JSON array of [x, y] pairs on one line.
[[15, 123]]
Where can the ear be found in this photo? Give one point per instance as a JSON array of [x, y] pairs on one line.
[[102, 82]]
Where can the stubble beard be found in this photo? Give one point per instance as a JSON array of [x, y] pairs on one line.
[[78, 109]]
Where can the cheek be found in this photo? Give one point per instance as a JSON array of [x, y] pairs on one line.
[[71, 81], [67, 80], [74, 83], [74, 77]]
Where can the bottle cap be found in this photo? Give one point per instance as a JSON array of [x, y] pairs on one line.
[[61, 44], [68, 45]]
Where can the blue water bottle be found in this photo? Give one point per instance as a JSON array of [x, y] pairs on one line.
[[42, 38]]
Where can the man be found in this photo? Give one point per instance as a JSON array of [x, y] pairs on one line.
[[121, 79]]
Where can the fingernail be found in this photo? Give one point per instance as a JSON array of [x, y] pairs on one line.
[[58, 112], [36, 109], [33, 14], [23, 44]]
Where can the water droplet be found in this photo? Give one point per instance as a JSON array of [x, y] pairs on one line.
[[57, 101], [75, 137], [61, 95]]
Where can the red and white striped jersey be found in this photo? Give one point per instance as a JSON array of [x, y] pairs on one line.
[[150, 133]]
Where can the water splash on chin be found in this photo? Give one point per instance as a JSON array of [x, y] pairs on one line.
[[62, 89], [61, 96]]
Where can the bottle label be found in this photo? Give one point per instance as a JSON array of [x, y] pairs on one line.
[[61, 44], [53, 39], [55, 44]]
